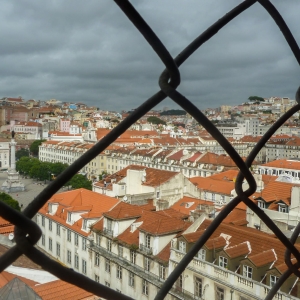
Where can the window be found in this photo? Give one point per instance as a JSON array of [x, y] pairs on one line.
[[282, 208], [69, 217], [162, 272], [98, 239], [157, 195], [97, 278], [247, 271], [84, 226], [76, 262], [76, 239], [273, 280], [58, 229], [119, 272], [69, 235], [131, 279], [213, 197], [120, 250], [198, 287], [147, 264], [260, 204], [145, 287], [43, 221], [97, 259], [43, 239], [50, 225], [108, 244], [107, 284], [147, 241], [132, 256], [83, 266], [180, 282], [220, 293], [83, 244], [69, 260], [50, 244], [222, 262], [107, 265], [58, 249], [202, 254], [182, 246]]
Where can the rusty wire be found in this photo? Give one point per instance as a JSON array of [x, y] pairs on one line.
[[27, 232]]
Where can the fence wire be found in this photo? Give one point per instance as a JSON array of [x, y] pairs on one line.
[[27, 233]]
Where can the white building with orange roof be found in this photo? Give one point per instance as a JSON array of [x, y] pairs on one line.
[[66, 220], [28, 130], [132, 245], [137, 183], [235, 263]]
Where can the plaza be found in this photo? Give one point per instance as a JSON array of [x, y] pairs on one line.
[[32, 189]]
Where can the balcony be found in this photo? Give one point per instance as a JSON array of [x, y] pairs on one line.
[[140, 272], [145, 249]]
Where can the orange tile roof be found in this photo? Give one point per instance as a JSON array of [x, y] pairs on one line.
[[93, 204], [275, 191], [59, 289], [236, 216], [188, 204], [283, 164], [258, 240], [238, 250], [263, 258], [216, 186], [6, 277]]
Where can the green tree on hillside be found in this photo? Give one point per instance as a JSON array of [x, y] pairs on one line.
[[34, 147], [256, 98], [156, 120]]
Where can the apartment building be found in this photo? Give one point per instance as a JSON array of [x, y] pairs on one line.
[[68, 152], [137, 184], [66, 220]]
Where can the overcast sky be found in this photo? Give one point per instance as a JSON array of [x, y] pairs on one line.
[[87, 51]]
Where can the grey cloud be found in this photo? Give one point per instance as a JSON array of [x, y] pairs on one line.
[[90, 52]]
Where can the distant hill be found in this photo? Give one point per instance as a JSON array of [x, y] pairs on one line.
[[173, 112]]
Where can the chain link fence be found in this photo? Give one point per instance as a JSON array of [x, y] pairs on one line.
[[27, 233]]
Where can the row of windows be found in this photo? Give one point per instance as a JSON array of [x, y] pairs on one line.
[[69, 234], [69, 255]]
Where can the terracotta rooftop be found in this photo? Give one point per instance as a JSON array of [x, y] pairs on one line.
[[92, 204], [283, 164], [212, 185]]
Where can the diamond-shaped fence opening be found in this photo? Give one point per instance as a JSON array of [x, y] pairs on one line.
[[27, 233]]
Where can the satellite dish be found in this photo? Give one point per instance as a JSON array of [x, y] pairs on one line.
[[11, 236], [125, 198]]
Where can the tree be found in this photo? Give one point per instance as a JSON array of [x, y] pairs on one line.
[[103, 175], [22, 152], [79, 181], [256, 98], [7, 199], [34, 147], [156, 120]]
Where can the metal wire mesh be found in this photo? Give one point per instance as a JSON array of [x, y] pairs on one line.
[[27, 233]]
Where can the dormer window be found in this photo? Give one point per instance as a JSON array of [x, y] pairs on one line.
[[69, 217], [261, 204], [282, 208], [202, 254], [147, 240], [182, 246], [84, 225]]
